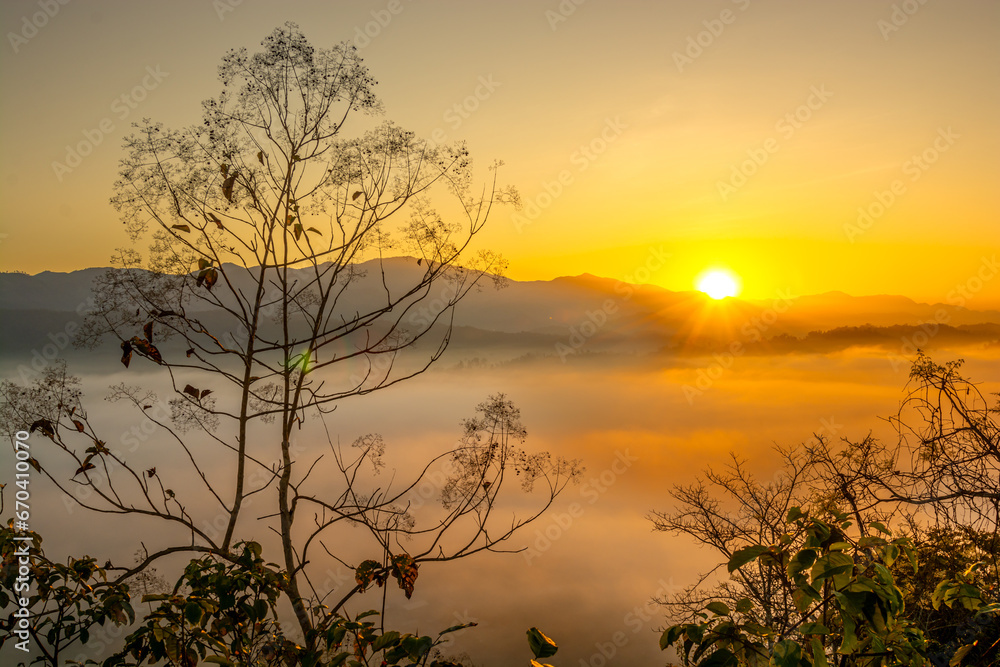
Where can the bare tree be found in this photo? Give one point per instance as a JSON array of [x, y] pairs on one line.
[[256, 307], [944, 465]]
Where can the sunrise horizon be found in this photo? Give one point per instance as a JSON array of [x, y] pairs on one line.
[[476, 334], [795, 174], [961, 295]]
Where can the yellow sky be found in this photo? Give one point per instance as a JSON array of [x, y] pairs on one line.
[[734, 133]]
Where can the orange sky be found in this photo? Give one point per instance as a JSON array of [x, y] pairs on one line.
[[732, 133]]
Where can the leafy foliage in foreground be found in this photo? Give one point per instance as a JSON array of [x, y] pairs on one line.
[[67, 600], [850, 608], [222, 612]]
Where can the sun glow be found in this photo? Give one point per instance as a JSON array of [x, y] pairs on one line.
[[718, 283]]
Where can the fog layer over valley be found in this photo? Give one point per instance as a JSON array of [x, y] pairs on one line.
[[645, 387]]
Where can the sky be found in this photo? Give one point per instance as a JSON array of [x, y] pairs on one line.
[[809, 147]]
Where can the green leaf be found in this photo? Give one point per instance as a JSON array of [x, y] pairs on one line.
[[879, 527], [970, 592], [417, 647], [540, 645], [819, 654], [890, 554], [911, 555], [703, 648], [720, 658], [804, 596], [852, 603], [800, 562], [744, 605], [718, 608], [385, 640], [670, 635], [335, 635], [850, 643], [757, 629], [687, 650], [869, 541], [862, 585], [339, 659], [991, 608], [456, 628], [960, 654], [786, 653], [837, 566], [793, 514], [744, 556], [817, 533], [219, 660], [939, 593], [192, 612], [814, 629]]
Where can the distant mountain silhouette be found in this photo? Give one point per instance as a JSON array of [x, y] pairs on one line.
[[568, 315]]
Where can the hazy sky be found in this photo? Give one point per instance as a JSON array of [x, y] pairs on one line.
[[738, 133]]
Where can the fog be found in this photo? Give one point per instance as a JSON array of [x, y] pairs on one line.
[[587, 570]]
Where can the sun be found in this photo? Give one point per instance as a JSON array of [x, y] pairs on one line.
[[718, 283]]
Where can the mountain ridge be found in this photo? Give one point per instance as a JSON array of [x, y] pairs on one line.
[[585, 278], [605, 308]]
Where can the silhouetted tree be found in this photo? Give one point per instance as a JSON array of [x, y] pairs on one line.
[[945, 463], [939, 484], [254, 306]]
